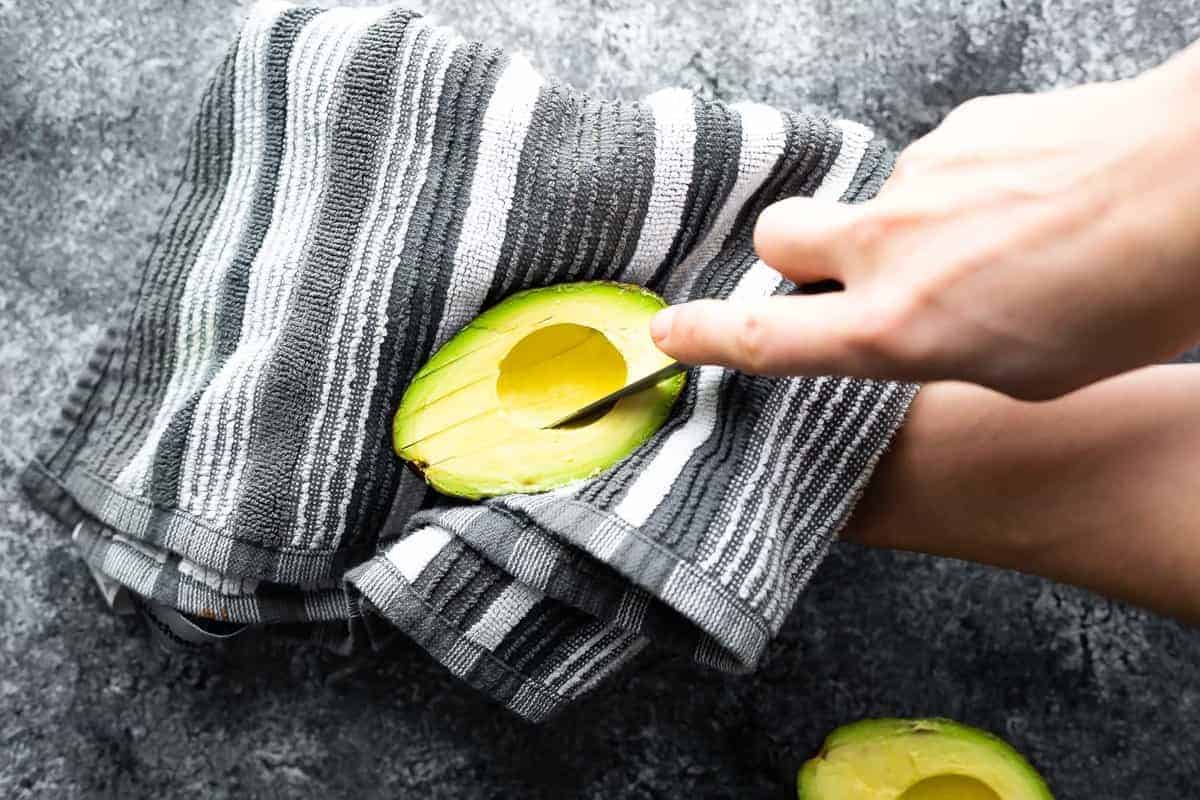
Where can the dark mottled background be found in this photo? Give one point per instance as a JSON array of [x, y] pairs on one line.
[[94, 101]]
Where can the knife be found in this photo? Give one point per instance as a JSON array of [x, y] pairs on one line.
[[632, 388]]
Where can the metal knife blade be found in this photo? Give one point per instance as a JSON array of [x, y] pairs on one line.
[[631, 388]]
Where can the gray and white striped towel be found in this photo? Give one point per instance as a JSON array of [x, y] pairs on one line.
[[360, 183]]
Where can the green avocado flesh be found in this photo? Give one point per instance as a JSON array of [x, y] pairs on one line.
[[918, 759], [473, 419]]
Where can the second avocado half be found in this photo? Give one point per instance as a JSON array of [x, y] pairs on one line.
[[918, 759], [473, 419]]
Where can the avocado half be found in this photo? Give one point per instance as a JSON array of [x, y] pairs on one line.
[[473, 420], [918, 759]]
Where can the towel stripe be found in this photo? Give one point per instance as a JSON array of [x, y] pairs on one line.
[[674, 151], [355, 330], [763, 137], [504, 128], [425, 262]]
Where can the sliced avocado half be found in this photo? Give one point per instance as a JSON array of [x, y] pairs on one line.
[[473, 420], [918, 759]]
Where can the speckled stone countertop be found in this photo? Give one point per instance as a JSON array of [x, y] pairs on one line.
[[94, 100]]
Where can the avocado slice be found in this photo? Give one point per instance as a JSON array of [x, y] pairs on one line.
[[473, 419], [918, 759]]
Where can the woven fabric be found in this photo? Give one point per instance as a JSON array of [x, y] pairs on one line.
[[361, 183]]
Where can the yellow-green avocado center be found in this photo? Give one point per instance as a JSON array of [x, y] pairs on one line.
[[474, 418], [933, 759], [555, 370]]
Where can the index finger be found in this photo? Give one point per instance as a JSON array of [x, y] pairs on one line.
[[779, 335]]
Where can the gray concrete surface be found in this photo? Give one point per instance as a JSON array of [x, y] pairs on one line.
[[94, 100]]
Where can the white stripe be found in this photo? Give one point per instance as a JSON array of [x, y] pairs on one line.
[[195, 336], [620, 642], [501, 139], [633, 645], [674, 153], [765, 534], [855, 138], [655, 480], [460, 518], [217, 581], [361, 324], [533, 559], [237, 406], [318, 53], [308, 54], [733, 512], [762, 141], [606, 538], [503, 615], [631, 613], [577, 649], [848, 498], [125, 566], [412, 554]]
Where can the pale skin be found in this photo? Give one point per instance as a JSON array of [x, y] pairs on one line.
[[1028, 261]]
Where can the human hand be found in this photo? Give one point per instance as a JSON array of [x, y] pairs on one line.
[[1031, 243]]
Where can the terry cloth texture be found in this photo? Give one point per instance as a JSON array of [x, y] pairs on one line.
[[361, 183]]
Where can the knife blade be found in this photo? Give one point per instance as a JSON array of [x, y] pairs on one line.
[[639, 385]]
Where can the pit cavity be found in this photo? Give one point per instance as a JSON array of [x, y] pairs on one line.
[[556, 370], [950, 787]]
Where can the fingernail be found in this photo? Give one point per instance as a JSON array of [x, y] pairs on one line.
[[660, 326]]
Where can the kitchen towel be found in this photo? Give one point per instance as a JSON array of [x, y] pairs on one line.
[[359, 184]]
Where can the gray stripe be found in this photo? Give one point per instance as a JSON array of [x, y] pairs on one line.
[[358, 373], [164, 483], [216, 443], [281, 414], [416, 301], [714, 171], [873, 170], [582, 188], [429, 248]]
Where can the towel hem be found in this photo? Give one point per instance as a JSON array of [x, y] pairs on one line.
[[69, 499], [391, 596]]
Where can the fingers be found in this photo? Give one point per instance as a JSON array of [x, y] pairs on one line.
[[783, 335], [805, 239]]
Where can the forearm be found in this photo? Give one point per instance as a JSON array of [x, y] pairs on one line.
[[1100, 488]]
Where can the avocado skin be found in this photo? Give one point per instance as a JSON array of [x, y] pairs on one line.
[[893, 729]]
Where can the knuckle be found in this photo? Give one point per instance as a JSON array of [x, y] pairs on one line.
[[869, 230], [890, 333], [871, 337], [752, 341]]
